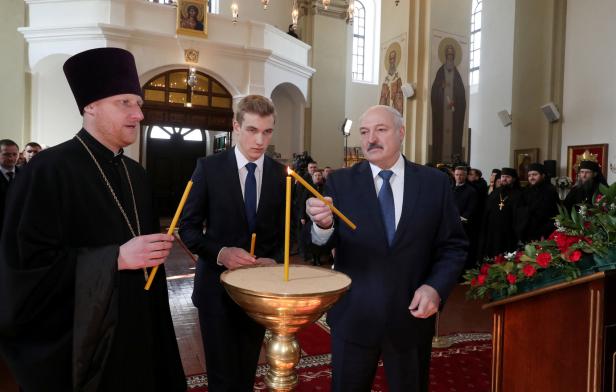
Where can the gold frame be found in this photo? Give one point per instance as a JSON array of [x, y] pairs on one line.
[[533, 153], [598, 150], [182, 13]]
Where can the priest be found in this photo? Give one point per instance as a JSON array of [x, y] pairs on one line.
[[589, 179], [497, 234], [80, 233], [538, 206]]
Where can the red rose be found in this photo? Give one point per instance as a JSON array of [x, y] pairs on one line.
[[500, 259], [511, 278], [575, 256], [518, 255], [481, 279], [484, 269], [543, 259], [587, 225], [474, 282], [529, 270], [598, 198]]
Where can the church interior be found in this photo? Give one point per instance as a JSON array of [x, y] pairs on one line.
[[482, 83]]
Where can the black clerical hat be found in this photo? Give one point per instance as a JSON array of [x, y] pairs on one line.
[[590, 165], [536, 167], [508, 171], [100, 73]]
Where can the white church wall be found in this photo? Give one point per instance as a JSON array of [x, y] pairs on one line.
[[247, 58], [590, 58], [277, 14], [490, 140], [12, 65]]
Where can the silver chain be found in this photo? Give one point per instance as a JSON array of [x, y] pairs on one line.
[[132, 193], [113, 193]]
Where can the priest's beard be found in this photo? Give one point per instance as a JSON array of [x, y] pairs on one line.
[[589, 187]]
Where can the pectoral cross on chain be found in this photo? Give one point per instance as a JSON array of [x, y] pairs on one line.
[[501, 205]]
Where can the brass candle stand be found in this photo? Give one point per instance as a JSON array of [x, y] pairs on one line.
[[284, 308]]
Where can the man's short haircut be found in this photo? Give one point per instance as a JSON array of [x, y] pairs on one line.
[[477, 171], [398, 120], [8, 142], [463, 168], [256, 104], [33, 144]]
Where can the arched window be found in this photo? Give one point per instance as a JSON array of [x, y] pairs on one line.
[[172, 88], [365, 44], [189, 134], [475, 41], [359, 41]]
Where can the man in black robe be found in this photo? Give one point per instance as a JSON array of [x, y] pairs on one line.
[[497, 229], [466, 199], [74, 315], [589, 178], [538, 206]]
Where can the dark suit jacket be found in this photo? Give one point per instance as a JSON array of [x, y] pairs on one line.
[[429, 248], [216, 202], [4, 187]]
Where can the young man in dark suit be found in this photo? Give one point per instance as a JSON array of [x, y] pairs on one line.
[[404, 258], [235, 193]]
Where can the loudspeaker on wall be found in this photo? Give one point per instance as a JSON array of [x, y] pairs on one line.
[[551, 112], [504, 117], [550, 168]]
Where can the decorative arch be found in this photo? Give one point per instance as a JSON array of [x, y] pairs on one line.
[[288, 135], [187, 115]]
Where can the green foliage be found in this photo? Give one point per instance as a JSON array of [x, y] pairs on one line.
[[585, 230]]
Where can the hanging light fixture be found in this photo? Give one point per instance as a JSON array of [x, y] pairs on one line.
[[397, 2], [235, 10], [326, 4], [265, 3]]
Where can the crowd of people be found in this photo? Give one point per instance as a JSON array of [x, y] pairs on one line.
[[506, 212], [81, 237]]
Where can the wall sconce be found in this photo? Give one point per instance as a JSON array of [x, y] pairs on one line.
[[294, 16], [350, 11], [235, 12], [265, 3], [326, 4]]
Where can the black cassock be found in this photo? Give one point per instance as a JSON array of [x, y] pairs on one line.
[[536, 212], [69, 320], [497, 233]]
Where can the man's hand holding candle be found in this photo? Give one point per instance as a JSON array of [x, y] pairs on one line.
[[233, 258], [319, 212]]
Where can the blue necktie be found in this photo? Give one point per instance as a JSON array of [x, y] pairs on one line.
[[388, 210], [250, 196]]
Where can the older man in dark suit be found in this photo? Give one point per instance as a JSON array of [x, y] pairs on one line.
[[404, 258], [235, 193], [9, 152]]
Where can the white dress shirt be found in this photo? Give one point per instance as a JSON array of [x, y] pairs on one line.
[[4, 171], [243, 173], [321, 236]]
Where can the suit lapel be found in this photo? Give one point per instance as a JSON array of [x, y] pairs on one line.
[[267, 183], [412, 189], [235, 189]]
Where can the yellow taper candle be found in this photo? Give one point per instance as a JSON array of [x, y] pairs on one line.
[[324, 200], [253, 240], [174, 222], [287, 230]]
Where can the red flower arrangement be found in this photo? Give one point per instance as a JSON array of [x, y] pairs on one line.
[[587, 229]]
